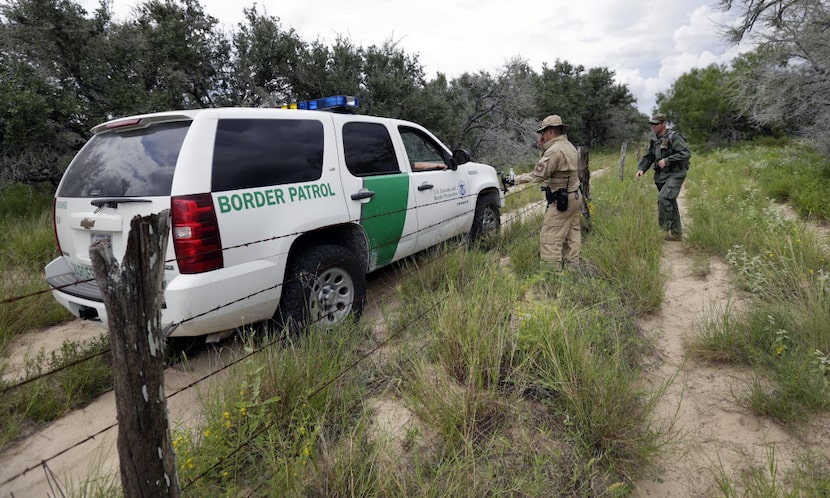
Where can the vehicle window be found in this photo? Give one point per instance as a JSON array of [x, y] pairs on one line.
[[422, 151], [127, 163], [368, 149], [260, 152]]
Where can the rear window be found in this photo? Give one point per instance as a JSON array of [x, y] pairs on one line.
[[261, 152], [127, 163]]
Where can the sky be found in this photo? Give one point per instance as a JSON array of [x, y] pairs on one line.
[[647, 45]]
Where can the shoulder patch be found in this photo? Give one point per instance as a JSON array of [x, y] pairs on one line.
[[540, 167]]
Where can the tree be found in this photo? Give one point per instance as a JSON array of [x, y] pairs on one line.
[[493, 115], [44, 64], [559, 92], [184, 55], [596, 109], [700, 104], [265, 58], [790, 79], [609, 114], [391, 80]]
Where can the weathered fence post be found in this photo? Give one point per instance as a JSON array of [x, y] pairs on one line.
[[623, 150], [132, 296], [585, 180]]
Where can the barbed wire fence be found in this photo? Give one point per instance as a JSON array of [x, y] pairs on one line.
[[44, 463]]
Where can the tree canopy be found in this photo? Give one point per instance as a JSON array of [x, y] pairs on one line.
[[64, 70], [786, 83]]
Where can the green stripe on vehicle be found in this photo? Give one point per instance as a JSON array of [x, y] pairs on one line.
[[384, 215]]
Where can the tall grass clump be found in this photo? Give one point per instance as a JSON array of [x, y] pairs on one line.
[[27, 246], [808, 476], [522, 242], [471, 348], [274, 420], [82, 374], [793, 173], [582, 361], [783, 267], [471, 392], [625, 241]]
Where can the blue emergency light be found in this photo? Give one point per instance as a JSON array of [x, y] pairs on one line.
[[333, 103]]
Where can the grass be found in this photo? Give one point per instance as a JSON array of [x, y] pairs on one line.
[[518, 381], [512, 380], [783, 267], [27, 246], [77, 382], [808, 476], [784, 270]]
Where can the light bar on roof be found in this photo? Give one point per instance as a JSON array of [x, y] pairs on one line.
[[333, 103]]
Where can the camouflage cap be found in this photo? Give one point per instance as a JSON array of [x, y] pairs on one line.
[[657, 118], [550, 121]]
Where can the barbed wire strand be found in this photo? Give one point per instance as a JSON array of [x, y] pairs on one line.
[[200, 315], [216, 372], [242, 245], [311, 394]]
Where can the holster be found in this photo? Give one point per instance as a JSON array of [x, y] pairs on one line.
[[558, 196]]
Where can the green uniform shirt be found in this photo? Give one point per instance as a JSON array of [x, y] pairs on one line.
[[670, 146]]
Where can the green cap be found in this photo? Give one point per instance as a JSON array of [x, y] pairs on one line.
[[657, 118]]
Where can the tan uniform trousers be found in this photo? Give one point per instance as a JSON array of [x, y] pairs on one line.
[[561, 235]]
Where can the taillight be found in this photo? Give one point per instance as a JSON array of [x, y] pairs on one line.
[[55, 224], [196, 233]]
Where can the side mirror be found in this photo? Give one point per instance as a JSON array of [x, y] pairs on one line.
[[461, 156]]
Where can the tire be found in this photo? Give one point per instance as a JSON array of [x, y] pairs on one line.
[[487, 220], [324, 286]]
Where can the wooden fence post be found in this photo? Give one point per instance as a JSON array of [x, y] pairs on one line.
[[585, 180], [623, 150], [132, 296]]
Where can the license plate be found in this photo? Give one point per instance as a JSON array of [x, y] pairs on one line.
[[83, 272]]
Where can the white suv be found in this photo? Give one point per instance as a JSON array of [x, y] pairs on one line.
[[258, 198]]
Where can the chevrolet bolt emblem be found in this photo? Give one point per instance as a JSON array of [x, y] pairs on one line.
[[87, 223]]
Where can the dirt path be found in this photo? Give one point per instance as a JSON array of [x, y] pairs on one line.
[[714, 433]]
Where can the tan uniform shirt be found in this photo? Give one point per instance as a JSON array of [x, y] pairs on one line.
[[557, 167]]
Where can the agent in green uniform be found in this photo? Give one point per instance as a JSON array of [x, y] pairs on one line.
[[669, 154], [560, 238]]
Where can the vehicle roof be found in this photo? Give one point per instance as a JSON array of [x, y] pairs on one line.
[[190, 114]]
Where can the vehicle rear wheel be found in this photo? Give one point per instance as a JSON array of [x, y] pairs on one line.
[[324, 286], [487, 220]]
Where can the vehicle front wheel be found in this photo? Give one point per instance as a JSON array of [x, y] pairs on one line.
[[324, 286], [487, 220]]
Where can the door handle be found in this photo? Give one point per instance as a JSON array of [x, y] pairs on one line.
[[363, 194], [425, 186]]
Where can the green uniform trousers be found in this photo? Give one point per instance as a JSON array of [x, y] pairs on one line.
[[668, 214]]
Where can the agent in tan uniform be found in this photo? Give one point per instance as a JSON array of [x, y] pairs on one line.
[[560, 238]]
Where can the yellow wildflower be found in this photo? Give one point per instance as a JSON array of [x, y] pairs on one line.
[[226, 415], [207, 432]]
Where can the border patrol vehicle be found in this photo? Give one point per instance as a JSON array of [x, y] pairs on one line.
[[275, 213]]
